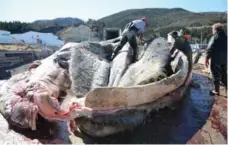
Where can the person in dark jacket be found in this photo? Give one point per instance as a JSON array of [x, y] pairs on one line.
[[217, 53], [182, 44]]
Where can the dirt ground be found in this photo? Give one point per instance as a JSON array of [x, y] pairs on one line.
[[200, 68], [203, 72], [13, 47]]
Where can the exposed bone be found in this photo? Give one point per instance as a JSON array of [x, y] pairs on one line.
[[103, 98], [34, 116], [101, 102]]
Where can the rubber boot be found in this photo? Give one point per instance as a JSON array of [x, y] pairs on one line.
[[216, 91], [134, 57], [226, 91]]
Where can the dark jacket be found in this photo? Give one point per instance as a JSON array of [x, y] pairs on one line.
[[184, 46], [217, 48]]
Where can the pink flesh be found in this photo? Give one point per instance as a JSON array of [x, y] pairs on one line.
[[45, 95], [58, 113], [24, 113], [35, 64], [38, 90]]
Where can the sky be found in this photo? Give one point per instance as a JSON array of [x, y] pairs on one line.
[[31, 10]]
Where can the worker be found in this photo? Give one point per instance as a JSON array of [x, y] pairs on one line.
[[180, 43], [217, 53], [132, 30]]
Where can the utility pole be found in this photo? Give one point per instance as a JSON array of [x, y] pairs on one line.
[[89, 34], [201, 37]]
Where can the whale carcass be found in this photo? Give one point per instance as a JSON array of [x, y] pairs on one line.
[[110, 97], [117, 96]]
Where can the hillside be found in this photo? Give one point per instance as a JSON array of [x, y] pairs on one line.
[[60, 22], [161, 20], [51, 29], [78, 34], [44, 26], [163, 17]]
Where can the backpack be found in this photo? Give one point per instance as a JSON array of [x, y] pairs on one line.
[[131, 26]]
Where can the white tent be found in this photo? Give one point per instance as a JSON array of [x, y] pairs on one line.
[[6, 38], [3, 32], [31, 37]]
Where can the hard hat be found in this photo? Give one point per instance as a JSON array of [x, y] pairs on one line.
[[144, 19]]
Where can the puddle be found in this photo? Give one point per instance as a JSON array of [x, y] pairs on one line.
[[194, 111]]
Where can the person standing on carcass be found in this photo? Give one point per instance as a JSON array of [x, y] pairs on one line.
[[217, 52], [131, 31]]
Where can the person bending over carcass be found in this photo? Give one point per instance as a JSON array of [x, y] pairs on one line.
[[182, 44], [217, 52], [132, 29]]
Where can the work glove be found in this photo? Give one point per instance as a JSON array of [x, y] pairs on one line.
[[112, 57]]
